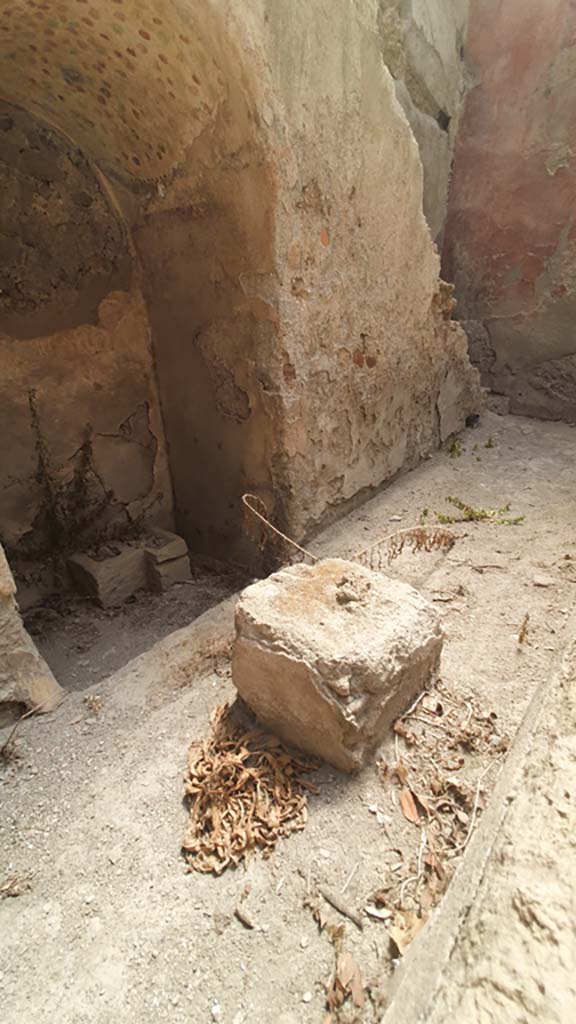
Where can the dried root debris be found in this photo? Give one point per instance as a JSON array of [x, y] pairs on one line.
[[445, 741], [245, 791]]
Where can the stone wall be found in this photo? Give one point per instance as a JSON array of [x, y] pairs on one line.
[[511, 231], [273, 193]]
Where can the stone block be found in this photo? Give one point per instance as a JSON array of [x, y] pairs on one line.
[[327, 656], [111, 577], [163, 546], [24, 675], [163, 574]]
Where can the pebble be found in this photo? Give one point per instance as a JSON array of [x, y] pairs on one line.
[[307, 997], [539, 580], [304, 942]]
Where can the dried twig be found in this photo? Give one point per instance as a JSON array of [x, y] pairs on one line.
[[419, 870], [523, 631], [415, 703], [464, 843], [350, 877], [334, 900], [249, 500], [5, 748]]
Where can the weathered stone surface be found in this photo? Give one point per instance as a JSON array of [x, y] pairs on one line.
[[162, 575], [328, 655], [510, 242], [110, 579], [24, 676]]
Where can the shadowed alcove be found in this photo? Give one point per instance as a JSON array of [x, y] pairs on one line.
[[136, 231]]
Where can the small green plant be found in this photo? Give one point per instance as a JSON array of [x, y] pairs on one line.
[[424, 515], [469, 514], [455, 449], [489, 442]]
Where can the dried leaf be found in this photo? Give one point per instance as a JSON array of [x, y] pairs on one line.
[[336, 933], [382, 895], [380, 913], [401, 772], [320, 917], [14, 885], [408, 805], [357, 990], [422, 803], [349, 977], [432, 861], [244, 918], [405, 928]]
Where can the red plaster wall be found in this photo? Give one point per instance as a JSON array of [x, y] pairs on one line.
[[510, 242]]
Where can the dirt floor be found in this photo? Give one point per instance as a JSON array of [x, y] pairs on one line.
[[84, 644], [109, 926]]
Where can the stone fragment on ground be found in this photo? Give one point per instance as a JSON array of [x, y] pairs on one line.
[[120, 570], [110, 579], [327, 656], [24, 675], [167, 560]]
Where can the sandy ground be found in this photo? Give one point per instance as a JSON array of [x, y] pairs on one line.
[[111, 927]]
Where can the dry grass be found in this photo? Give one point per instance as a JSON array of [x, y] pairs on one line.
[[417, 538]]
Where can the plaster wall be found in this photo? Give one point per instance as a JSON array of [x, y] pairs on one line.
[[511, 235], [371, 372], [422, 46]]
